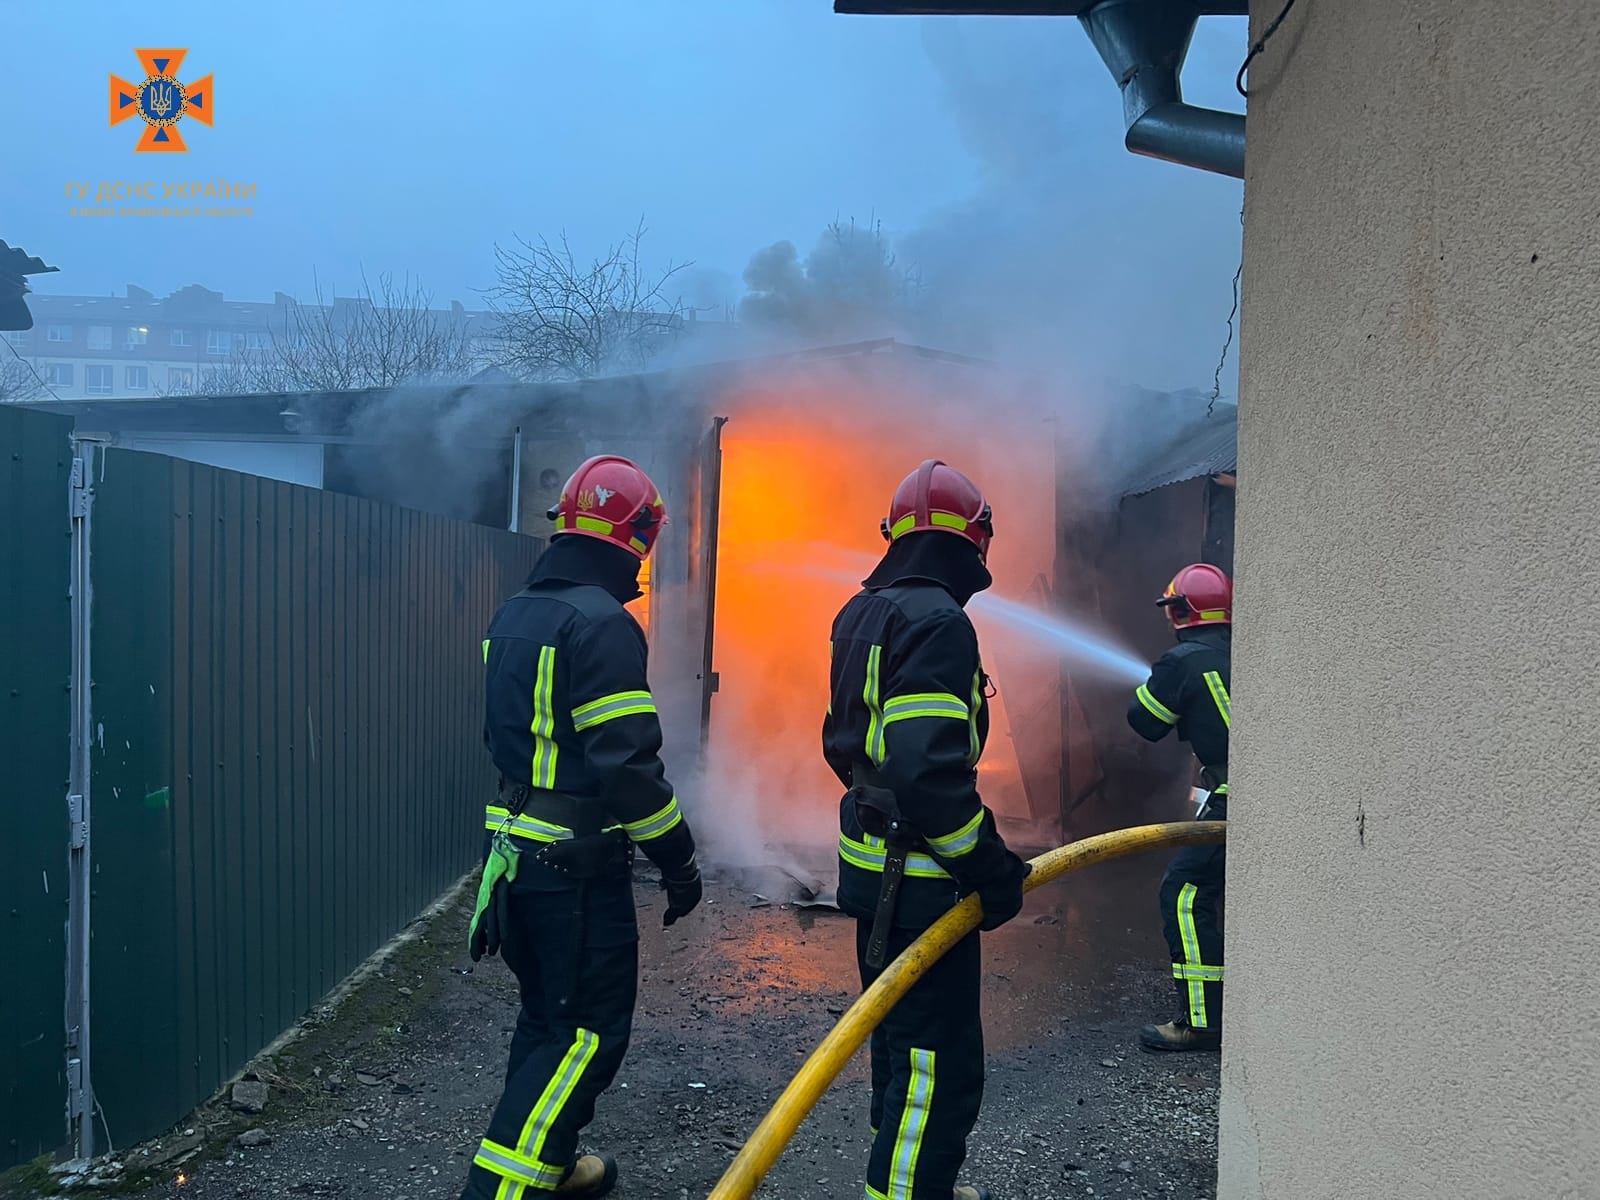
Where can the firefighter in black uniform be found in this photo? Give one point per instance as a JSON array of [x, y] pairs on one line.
[[1188, 691], [574, 733], [904, 733]]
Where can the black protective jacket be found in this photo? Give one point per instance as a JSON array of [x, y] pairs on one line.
[[908, 714], [568, 709], [1188, 691]]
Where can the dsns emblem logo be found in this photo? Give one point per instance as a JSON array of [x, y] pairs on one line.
[[161, 101]]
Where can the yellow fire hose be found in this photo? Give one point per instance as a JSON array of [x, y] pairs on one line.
[[753, 1162]]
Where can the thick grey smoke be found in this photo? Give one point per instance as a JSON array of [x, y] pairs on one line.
[[1068, 254]]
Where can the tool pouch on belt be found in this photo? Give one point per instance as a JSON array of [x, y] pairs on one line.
[[590, 857], [879, 815]]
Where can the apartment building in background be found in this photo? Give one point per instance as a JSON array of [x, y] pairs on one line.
[[140, 345]]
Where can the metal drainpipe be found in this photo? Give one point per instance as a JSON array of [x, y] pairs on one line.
[[1143, 43]]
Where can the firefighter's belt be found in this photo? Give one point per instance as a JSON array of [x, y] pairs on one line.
[[572, 816], [879, 815]]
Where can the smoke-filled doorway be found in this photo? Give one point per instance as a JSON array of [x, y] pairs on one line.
[[809, 463]]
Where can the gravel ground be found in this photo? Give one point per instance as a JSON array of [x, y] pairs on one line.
[[388, 1097]]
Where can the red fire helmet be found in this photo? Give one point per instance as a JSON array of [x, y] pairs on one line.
[[611, 499], [939, 497], [1200, 594]]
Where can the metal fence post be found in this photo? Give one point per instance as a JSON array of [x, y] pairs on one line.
[[80, 1091]]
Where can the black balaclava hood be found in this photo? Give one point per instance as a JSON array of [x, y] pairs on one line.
[[933, 557], [585, 560]]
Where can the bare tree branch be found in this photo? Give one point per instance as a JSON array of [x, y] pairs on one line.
[[18, 381], [560, 320], [385, 335]]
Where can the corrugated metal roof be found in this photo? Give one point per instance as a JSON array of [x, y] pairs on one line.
[[1207, 446]]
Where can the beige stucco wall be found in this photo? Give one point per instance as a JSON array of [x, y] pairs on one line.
[[1414, 891]]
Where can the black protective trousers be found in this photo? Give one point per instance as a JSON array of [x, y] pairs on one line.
[[575, 953], [927, 1073], [1189, 893]]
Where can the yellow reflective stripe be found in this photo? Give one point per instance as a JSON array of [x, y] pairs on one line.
[[872, 1192], [656, 824], [1204, 974], [543, 727], [486, 651], [924, 704], [871, 854], [556, 1094], [497, 817], [593, 524], [519, 1168], [1191, 954], [974, 748], [1219, 697], [1153, 706], [913, 1124], [962, 841], [1213, 614], [869, 693], [609, 708], [941, 519], [1220, 791]]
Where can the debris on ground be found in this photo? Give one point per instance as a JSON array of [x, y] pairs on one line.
[[731, 1001]]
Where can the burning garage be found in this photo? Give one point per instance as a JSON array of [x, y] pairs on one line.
[[776, 471]]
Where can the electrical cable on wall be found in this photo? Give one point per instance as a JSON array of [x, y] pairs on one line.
[[1256, 49], [1222, 359]]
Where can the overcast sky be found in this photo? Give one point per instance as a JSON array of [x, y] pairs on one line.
[[395, 135]]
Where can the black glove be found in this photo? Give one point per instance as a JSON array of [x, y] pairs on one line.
[[683, 894], [1002, 895], [492, 915]]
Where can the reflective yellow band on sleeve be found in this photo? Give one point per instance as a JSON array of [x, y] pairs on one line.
[[1192, 971], [656, 824], [1154, 707], [924, 704], [609, 708], [962, 841]]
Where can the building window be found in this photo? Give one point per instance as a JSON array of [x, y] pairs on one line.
[[97, 380], [182, 337], [137, 379], [138, 335], [18, 338], [58, 374], [99, 337], [218, 341], [180, 378], [258, 341], [58, 333]]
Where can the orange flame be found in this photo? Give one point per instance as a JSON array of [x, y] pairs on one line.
[[808, 469]]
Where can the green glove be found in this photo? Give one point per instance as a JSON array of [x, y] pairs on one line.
[[492, 915]]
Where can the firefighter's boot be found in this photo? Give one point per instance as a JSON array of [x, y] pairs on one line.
[[592, 1175], [1179, 1035], [966, 1191]]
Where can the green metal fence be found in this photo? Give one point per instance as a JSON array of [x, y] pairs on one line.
[[35, 660], [286, 761]]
